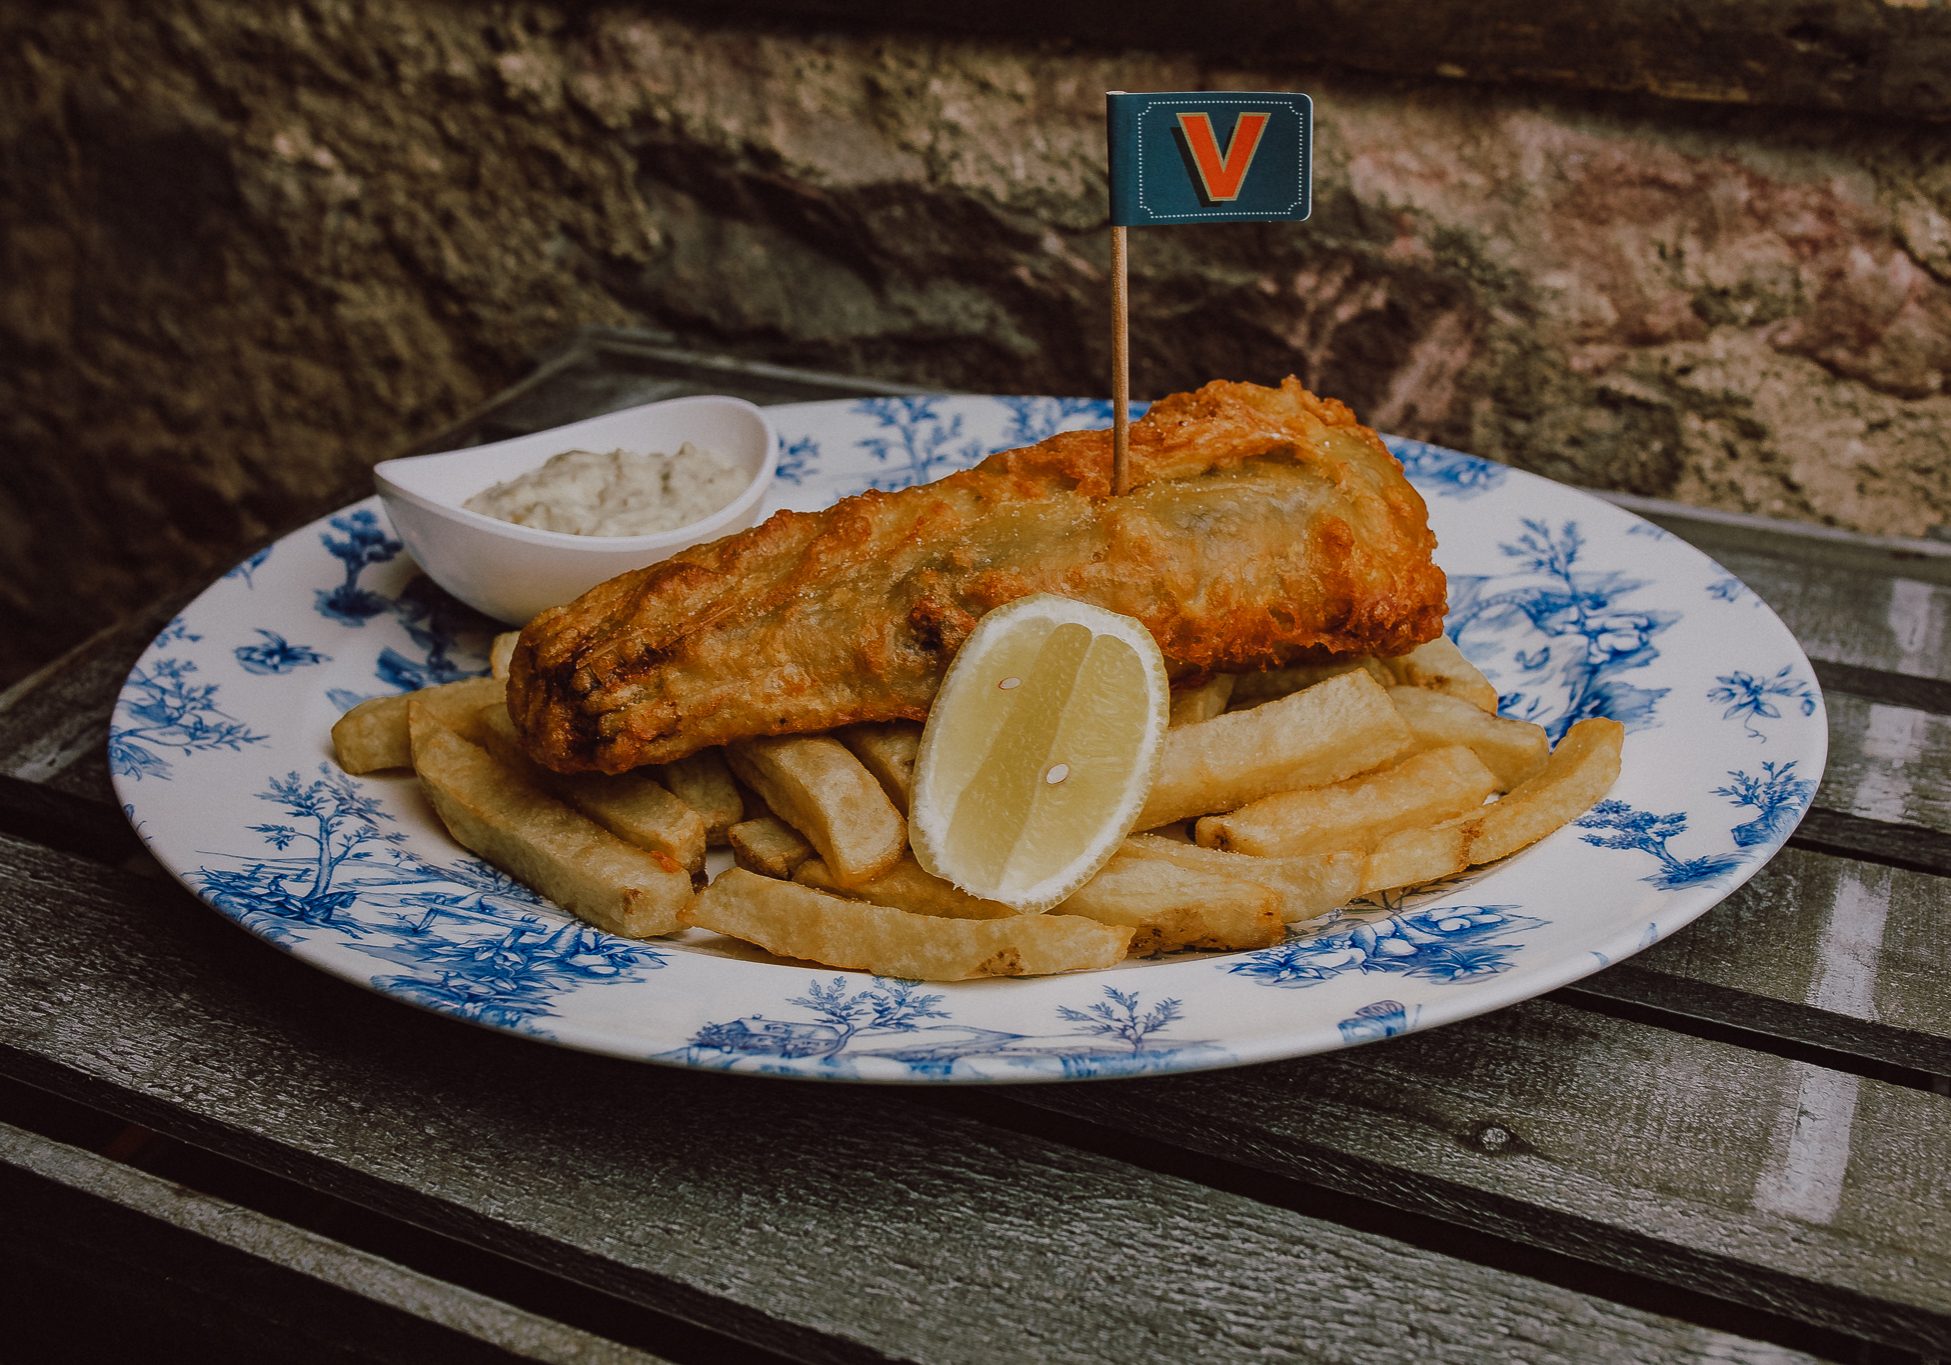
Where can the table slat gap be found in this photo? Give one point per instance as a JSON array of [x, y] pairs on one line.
[[1847, 835], [1895, 1056], [1884, 685]]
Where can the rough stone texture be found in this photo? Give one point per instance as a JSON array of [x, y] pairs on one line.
[[246, 249]]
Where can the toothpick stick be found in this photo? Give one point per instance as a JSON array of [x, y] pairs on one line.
[[1120, 367]]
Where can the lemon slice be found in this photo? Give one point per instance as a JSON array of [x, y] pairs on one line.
[[1042, 745]]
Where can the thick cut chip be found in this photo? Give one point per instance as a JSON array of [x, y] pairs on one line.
[[704, 783], [501, 651], [1170, 907], [768, 845], [1203, 701], [1306, 887], [792, 920], [1513, 750], [887, 750], [1439, 666], [906, 887], [815, 785], [1037, 756], [495, 810], [633, 806], [1250, 689], [1331, 731], [372, 736], [1580, 771], [1419, 790], [451, 707]]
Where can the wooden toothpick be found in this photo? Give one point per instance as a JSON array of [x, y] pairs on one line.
[[1120, 367]]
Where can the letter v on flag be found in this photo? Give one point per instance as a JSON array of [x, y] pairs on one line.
[[1209, 157]]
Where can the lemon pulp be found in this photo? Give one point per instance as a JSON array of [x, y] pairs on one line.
[[1042, 744]]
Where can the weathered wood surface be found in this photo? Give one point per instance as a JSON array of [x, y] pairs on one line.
[[1878, 620], [1886, 763], [1809, 1192], [1848, 939], [829, 1223], [227, 1275]]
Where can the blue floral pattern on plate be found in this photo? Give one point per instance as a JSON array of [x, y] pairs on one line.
[[1572, 608]]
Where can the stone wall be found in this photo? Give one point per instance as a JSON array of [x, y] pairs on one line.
[[247, 249]]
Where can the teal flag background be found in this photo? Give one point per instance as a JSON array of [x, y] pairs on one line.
[[1153, 181]]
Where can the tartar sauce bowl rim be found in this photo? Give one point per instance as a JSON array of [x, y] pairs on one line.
[[678, 537]]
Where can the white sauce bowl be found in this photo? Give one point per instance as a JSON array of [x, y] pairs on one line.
[[511, 572]]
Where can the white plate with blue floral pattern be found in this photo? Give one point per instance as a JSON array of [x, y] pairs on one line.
[[1571, 606]]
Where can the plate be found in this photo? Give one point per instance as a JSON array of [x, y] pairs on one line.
[[1571, 606]]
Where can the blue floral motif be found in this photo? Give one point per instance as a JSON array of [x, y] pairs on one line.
[[1649, 530], [883, 1023], [1382, 1019], [275, 654], [251, 565], [923, 446], [362, 542], [1117, 1016], [1443, 943], [1565, 631], [1729, 589], [797, 459], [508, 976], [1776, 797], [172, 714], [333, 823], [1036, 419], [1618, 825], [1450, 473], [440, 626], [1747, 696], [471, 935]]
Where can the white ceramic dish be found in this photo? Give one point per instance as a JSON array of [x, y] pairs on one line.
[[511, 572], [1571, 606]]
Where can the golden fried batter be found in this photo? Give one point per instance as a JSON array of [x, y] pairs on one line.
[[1264, 526]]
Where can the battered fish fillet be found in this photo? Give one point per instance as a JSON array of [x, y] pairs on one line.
[[1264, 526]]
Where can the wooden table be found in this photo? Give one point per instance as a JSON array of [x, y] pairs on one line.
[[1734, 1146]]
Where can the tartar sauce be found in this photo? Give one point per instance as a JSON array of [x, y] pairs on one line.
[[619, 493]]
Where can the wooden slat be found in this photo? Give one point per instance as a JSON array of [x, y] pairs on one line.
[[1886, 763], [1853, 940], [1881, 685], [1804, 1191], [832, 1222], [210, 1272], [1728, 535], [1853, 616], [58, 717], [1852, 836]]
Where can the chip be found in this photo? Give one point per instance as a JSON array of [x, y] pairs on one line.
[[496, 811], [791, 920], [1333, 730], [815, 785], [1422, 789]]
